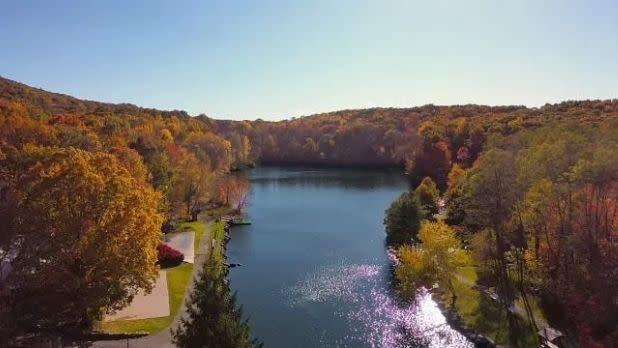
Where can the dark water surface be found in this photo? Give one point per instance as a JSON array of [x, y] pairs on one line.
[[315, 270]]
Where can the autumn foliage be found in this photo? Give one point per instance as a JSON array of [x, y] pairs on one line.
[[168, 256], [85, 186], [94, 224]]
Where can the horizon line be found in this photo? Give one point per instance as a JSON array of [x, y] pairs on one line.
[[334, 110]]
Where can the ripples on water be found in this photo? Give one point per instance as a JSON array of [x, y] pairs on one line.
[[376, 318]]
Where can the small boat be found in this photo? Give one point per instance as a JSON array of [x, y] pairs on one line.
[[239, 221]]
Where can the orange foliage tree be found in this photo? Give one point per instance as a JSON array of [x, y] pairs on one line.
[[87, 231], [234, 192]]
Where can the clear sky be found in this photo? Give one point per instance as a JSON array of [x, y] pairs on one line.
[[276, 59]]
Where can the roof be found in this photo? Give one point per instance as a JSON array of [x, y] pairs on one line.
[[549, 333]]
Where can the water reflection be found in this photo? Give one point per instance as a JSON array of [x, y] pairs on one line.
[[364, 179], [376, 319]]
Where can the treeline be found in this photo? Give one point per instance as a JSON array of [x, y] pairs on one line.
[[425, 140]]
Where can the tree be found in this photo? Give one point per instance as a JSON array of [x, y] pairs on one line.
[[437, 258], [453, 176], [213, 318], [457, 199], [210, 149], [402, 219], [156, 160], [192, 185], [428, 195], [166, 136], [434, 161], [88, 232], [241, 150], [234, 192], [492, 196], [192, 188]]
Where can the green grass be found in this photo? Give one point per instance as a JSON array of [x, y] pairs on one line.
[[486, 316], [534, 306], [197, 226], [177, 279], [217, 232]]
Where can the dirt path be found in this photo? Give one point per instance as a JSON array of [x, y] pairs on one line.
[[163, 338]]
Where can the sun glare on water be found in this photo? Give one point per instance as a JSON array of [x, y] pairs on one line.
[[376, 318]]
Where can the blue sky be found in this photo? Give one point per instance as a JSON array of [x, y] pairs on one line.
[[277, 59]]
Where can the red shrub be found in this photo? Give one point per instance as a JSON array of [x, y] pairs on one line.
[[168, 256]]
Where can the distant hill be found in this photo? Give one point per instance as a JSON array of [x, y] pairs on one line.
[[57, 103], [362, 137]]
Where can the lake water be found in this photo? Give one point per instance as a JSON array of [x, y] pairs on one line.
[[316, 272]]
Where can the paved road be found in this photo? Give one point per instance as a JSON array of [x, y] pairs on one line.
[[163, 339]]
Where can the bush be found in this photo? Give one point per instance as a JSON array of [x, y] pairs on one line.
[[167, 227], [168, 256]]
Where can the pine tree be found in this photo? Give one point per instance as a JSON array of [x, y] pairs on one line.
[[213, 319]]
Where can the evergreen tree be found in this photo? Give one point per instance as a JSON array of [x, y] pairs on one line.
[[213, 319], [403, 219]]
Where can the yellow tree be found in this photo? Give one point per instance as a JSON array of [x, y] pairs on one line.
[[87, 236], [454, 175], [192, 187], [436, 259], [210, 149]]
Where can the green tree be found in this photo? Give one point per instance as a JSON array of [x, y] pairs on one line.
[[213, 319], [493, 194], [403, 219], [428, 195]]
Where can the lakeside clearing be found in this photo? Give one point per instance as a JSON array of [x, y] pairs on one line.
[[178, 279], [485, 316]]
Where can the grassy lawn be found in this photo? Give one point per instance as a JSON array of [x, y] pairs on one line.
[[197, 226], [217, 232], [534, 306], [486, 316], [177, 279]]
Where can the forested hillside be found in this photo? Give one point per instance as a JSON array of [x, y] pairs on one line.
[[427, 140], [534, 187], [88, 187]]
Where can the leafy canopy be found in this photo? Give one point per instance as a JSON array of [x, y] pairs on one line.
[[87, 232]]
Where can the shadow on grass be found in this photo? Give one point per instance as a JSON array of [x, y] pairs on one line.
[[490, 318]]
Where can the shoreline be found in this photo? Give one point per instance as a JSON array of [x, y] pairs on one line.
[[455, 321], [453, 318]]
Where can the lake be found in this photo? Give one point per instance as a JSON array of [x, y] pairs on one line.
[[316, 272]]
